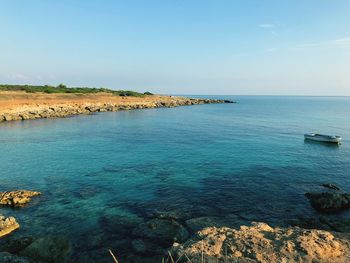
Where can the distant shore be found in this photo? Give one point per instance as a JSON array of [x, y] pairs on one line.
[[21, 105]]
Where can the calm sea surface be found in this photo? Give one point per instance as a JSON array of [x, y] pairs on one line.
[[247, 160]]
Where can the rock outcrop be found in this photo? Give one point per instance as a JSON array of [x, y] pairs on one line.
[[17, 198], [329, 201], [46, 110], [7, 225], [264, 244]]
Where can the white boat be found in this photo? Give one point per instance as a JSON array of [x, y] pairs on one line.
[[322, 138]]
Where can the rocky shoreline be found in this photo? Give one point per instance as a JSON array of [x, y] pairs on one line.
[[182, 237], [262, 243], [47, 110], [14, 199]]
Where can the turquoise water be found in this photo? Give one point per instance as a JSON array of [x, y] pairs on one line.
[[247, 159]]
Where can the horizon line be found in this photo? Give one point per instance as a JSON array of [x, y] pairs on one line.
[[257, 95]]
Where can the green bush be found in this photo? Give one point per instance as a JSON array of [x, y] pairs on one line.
[[64, 89]]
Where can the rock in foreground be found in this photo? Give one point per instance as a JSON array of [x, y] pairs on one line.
[[262, 243], [329, 202], [17, 198], [7, 225]]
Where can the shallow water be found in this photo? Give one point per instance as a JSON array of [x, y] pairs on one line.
[[247, 159]]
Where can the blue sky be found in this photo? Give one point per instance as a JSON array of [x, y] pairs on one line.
[[179, 46]]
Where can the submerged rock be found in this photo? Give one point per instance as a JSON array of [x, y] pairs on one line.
[[145, 247], [144, 259], [331, 186], [165, 231], [17, 198], [329, 202], [7, 225], [48, 249], [307, 223], [339, 225], [262, 243], [119, 224], [196, 224], [9, 258], [16, 245], [178, 215]]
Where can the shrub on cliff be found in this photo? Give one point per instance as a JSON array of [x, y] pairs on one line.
[[61, 88]]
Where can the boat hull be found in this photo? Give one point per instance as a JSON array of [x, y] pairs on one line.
[[323, 138]]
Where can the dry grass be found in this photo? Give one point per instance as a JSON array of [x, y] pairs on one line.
[[113, 256], [186, 259]]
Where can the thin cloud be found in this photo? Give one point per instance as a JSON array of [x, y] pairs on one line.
[[22, 77], [273, 49], [267, 26], [18, 77], [335, 43]]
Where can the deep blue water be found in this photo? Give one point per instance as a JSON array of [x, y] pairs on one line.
[[247, 159]]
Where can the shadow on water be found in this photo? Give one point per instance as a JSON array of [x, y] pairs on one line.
[[334, 146]]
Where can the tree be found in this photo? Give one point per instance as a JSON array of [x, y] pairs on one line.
[[62, 86]]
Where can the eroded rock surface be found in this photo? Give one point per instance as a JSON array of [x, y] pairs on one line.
[[17, 198], [329, 202], [7, 225], [262, 243], [162, 230], [36, 106]]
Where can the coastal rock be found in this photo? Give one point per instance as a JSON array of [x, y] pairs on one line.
[[329, 202], [6, 257], [165, 231], [331, 186], [17, 198], [48, 249], [55, 106], [7, 225], [196, 224], [264, 244], [16, 245]]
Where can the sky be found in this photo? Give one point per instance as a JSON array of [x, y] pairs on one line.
[[247, 47]]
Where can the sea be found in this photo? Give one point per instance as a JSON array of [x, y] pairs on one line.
[[103, 175]]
